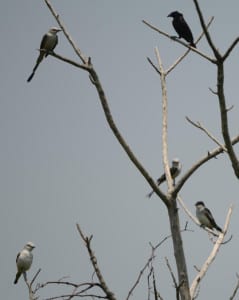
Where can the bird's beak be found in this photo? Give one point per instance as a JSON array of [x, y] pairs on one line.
[[169, 16]]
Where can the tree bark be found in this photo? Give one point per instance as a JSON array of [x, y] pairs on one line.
[[183, 284]]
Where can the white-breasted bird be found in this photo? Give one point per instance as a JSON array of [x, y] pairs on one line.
[[205, 216], [48, 44], [174, 171], [24, 260]]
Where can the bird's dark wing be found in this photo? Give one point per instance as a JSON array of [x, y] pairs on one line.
[[43, 42], [183, 29], [173, 172], [210, 217], [161, 179], [17, 257], [56, 42]]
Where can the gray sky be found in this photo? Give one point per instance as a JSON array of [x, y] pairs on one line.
[[60, 163]]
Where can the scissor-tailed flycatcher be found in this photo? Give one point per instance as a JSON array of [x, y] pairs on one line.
[[48, 43], [205, 216], [174, 171], [24, 260]]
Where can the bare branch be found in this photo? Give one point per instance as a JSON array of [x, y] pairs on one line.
[[164, 122], [153, 65], [120, 138], [224, 120], [87, 65], [229, 50], [204, 27], [87, 240], [67, 35], [147, 264], [34, 278], [156, 292], [212, 91], [211, 257], [180, 42], [187, 52], [199, 126], [171, 272], [69, 61], [203, 160], [235, 290]]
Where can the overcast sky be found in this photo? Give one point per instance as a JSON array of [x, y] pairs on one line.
[[61, 164]]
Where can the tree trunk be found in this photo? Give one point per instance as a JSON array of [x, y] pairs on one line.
[[183, 284]]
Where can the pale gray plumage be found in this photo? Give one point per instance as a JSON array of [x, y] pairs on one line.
[[48, 43], [205, 216], [24, 260]]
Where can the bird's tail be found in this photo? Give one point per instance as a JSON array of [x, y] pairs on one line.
[[218, 228], [39, 59], [150, 194], [17, 277]]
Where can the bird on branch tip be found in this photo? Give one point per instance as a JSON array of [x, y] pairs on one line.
[[24, 260], [182, 28], [205, 217]]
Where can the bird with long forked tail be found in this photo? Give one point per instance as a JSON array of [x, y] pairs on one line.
[[48, 44]]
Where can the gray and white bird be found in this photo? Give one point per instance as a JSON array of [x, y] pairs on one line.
[[174, 171], [24, 260], [48, 44], [205, 216]]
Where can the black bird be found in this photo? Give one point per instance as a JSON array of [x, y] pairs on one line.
[[182, 27], [174, 171]]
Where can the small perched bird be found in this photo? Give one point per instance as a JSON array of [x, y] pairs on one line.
[[174, 171], [182, 27], [205, 216], [48, 43], [24, 260]]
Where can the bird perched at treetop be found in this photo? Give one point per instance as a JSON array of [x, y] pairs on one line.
[[24, 260], [182, 28]]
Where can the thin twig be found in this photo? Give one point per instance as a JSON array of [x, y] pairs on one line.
[[180, 42], [235, 290], [204, 27], [110, 295], [153, 65], [66, 33], [203, 160], [201, 127], [229, 50]]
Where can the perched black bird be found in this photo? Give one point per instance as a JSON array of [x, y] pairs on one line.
[[174, 171], [182, 27]]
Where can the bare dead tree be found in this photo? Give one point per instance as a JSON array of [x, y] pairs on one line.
[[171, 196]]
